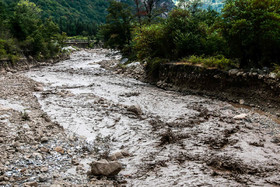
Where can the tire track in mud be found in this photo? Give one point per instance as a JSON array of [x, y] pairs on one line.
[[172, 139]]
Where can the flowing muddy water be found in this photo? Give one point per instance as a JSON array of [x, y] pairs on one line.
[[173, 139]]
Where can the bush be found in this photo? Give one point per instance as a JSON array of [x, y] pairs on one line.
[[8, 49], [183, 33], [276, 70], [150, 42]]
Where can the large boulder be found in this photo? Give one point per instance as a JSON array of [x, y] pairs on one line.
[[105, 168]]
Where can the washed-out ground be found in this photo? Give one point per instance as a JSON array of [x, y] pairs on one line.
[[85, 109]]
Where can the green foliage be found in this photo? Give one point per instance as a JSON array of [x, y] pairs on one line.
[[252, 30], [150, 41], [25, 19], [73, 17], [219, 62], [117, 30], [183, 33], [276, 70], [24, 32], [36, 37], [8, 49]]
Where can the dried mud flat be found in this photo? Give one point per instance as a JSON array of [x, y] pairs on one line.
[[172, 139]]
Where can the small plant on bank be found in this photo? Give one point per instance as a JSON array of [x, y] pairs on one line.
[[276, 70], [25, 116]]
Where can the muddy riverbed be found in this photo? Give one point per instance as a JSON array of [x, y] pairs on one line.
[[172, 139]]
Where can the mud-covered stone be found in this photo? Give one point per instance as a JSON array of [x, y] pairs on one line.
[[135, 109], [105, 168], [240, 116]]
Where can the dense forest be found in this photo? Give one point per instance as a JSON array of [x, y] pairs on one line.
[[24, 32], [245, 34]]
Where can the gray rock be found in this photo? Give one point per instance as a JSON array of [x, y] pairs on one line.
[[275, 140], [135, 109], [240, 116], [119, 155], [272, 75], [43, 178], [133, 64], [124, 60], [241, 101], [233, 71], [44, 139], [38, 89], [33, 184], [105, 168]]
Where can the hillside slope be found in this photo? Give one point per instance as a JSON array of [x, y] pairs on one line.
[[73, 17]]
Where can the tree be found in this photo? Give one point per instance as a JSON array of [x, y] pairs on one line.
[[153, 9], [252, 30], [117, 30], [25, 20], [138, 11]]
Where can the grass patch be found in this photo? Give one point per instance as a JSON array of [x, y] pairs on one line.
[[219, 62], [276, 70]]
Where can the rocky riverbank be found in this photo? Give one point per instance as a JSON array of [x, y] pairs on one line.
[[25, 63], [35, 150]]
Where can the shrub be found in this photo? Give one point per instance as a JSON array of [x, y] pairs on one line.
[[150, 42], [8, 49], [276, 70]]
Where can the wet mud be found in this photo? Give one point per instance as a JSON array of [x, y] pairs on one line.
[[172, 139]]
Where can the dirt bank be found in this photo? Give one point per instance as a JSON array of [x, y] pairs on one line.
[[25, 63], [255, 89]]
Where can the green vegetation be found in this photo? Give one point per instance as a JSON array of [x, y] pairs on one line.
[[277, 70], [117, 31], [72, 17], [22, 32], [218, 61], [252, 31], [245, 34]]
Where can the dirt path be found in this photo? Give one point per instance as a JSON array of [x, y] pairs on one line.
[[172, 139]]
